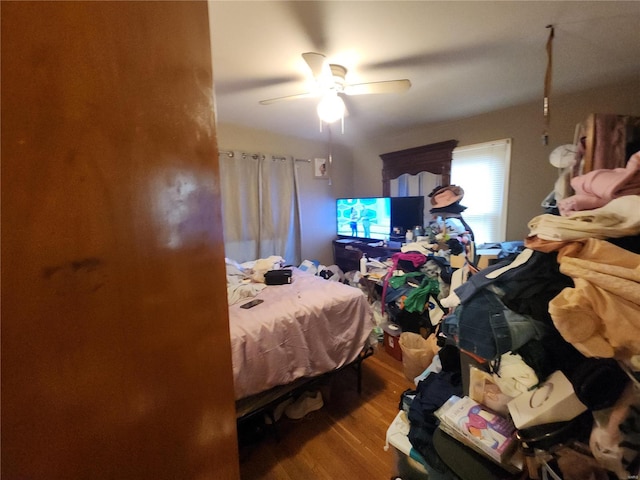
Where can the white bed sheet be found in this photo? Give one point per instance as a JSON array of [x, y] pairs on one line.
[[302, 329]]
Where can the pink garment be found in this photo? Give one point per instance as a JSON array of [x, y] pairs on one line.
[[598, 187], [577, 203]]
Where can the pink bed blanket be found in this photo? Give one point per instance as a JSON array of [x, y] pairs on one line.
[[302, 329]]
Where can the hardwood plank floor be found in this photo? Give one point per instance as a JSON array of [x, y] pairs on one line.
[[343, 440]]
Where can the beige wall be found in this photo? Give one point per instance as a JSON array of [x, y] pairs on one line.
[[532, 177], [358, 171]]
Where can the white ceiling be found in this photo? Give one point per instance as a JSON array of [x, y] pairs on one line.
[[462, 58]]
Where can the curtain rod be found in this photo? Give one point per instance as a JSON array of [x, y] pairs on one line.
[[255, 156]]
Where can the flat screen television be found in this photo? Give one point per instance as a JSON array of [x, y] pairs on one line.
[[407, 212], [364, 218]]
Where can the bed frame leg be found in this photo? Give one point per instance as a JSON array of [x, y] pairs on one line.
[[366, 353]]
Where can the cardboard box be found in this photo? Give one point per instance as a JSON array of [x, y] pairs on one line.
[[553, 401], [485, 255], [391, 340]]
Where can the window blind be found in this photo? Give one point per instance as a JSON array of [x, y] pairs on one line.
[[482, 170]]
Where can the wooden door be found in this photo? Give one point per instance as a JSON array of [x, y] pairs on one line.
[[115, 344]]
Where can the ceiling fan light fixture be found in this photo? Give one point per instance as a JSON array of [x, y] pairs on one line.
[[331, 108]]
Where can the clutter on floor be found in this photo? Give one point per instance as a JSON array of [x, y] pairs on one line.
[[546, 338]]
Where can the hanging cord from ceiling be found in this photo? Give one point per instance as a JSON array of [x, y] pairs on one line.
[[547, 87], [329, 124]]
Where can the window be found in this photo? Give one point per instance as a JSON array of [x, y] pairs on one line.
[[482, 170]]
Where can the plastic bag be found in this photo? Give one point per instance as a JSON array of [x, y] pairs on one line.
[[417, 354]]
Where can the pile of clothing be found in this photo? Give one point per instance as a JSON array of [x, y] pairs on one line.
[[566, 304]]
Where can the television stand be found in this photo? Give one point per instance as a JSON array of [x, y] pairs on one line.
[[347, 253]]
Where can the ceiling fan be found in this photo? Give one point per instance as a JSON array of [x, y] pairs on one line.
[[331, 83]]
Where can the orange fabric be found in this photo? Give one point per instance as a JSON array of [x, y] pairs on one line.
[[600, 316]]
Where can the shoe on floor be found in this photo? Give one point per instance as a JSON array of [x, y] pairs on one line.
[[278, 411], [308, 402]]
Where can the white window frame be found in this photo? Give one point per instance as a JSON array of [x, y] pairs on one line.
[[497, 154]]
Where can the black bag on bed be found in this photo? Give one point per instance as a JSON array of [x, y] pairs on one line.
[[277, 277]]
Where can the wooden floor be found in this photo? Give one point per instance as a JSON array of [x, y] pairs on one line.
[[343, 440]]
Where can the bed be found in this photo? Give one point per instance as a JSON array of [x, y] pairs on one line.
[[299, 332]]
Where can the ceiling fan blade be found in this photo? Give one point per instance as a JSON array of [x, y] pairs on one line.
[[320, 69], [288, 97], [390, 86], [316, 62]]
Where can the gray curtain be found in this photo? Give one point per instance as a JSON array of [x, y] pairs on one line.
[[259, 206]]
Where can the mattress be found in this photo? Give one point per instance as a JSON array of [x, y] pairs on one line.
[[303, 329]]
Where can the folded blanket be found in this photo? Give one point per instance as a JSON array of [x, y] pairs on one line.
[[618, 218]]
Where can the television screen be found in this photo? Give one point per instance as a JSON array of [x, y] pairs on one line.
[[368, 218], [407, 212]]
